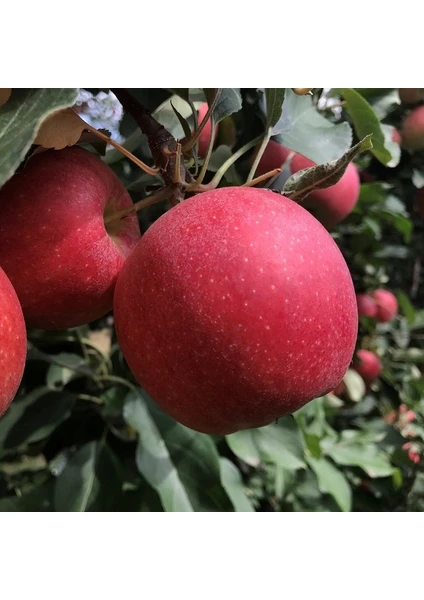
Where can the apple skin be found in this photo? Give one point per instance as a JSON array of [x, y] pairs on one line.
[[13, 343], [330, 205], [368, 366], [412, 130], [236, 308], [54, 246], [366, 305], [396, 137], [387, 305], [205, 136]]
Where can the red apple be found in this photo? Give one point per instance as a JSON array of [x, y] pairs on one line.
[[387, 305], [60, 256], [13, 344], [412, 130], [396, 137], [205, 136], [331, 205], [274, 156], [366, 305], [410, 95], [236, 308], [368, 365]]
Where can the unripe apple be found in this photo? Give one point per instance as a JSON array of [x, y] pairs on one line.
[[13, 344], [236, 308], [387, 305], [60, 256], [368, 365], [366, 305], [412, 130], [410, 95], [329, 205]]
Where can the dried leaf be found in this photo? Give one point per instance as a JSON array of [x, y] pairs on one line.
[[302, 183], [62, 128], [102, 340], [4, 95]]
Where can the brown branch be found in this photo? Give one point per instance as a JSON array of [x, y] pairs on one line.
[[162, 144]]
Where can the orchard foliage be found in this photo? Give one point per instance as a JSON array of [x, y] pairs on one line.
[[81, 435]]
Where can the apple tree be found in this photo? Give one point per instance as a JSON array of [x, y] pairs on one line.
[[223, 299]]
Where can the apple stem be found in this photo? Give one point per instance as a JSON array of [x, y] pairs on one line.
[[152, 199], [196, 134], [124, 151], [258, 156], [261, 178], [201, 176]]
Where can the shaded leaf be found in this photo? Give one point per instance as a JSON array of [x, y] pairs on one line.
[[355, 385], [302, 129], [58, 376], [89, 482], [274, 106], [332, 481], [406, 306], [229, 102], [367, 456], [20, 119], [302, 183], [33, 417], [39, 499], [366, 122], [233, 485], [182, 465]]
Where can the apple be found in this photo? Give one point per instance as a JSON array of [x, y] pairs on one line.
[[273, 157], [368, 365], [387, 305], [236, 308], [412, 130], [410, 95], [330, 205], [61, 257], [205, 136], [13, 344], [367, 306], [396, 137]]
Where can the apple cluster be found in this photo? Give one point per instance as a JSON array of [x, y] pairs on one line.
[[235, 308]]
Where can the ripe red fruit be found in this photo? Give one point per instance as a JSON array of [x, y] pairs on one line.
[[368, 365], [412, 130], [13, 345], [366, 305], [54, 246], [236, 308], [205, 136], [274, 156], [387, 305], [330, 205]]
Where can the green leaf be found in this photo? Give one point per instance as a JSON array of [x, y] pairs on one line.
[[20, 119], [355, 385], [229, 102], [302, 129], [406, 306], [182, 465], [280, 444], [233, 485], [392, 147], [274, 106], [33, 417], [39, 499], [58, 376], [365, 121], [89, 482], [332, 481], [302, 183], [366, 456]]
